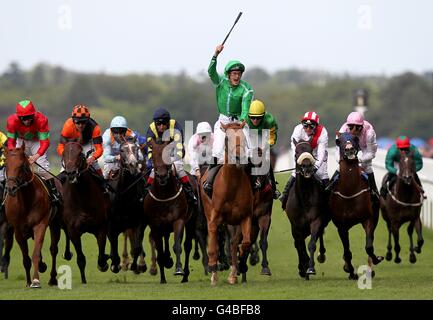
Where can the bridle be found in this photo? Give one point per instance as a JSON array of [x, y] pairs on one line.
[[19, 182]]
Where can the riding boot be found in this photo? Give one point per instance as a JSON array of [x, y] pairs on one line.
[[212, 172], [418, 181], [285, 195], [54, 193], [373, 187], [102, 182], [192, 200], [333, 181], [277, 193], [384, 188]]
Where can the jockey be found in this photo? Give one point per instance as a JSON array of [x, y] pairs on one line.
[[161, 127], [111, 141], [31, 127], [310, 130], [258, 120], [3, 140], [402, 144], [362, 129], [200, 147], [233, 97], [83, 129]]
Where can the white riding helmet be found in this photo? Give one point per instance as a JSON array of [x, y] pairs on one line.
[[119, 122], [203, 127]]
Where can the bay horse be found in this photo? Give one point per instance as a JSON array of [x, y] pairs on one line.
[[350, 202], [126, 210], [307, 209], [85, 205], [403, 204], [29, 211], [231, 203], [166, 210]]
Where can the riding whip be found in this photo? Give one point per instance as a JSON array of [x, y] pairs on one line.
[[237, 19]]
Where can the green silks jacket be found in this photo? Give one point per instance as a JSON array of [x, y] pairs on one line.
[[393, 155], [269, 123], [231, 101]]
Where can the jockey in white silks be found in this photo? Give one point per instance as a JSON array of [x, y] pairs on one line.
[[200, 148]]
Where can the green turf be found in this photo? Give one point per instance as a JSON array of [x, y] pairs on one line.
[[392, 281]]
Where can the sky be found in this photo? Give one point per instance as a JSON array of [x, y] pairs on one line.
[[130, 36]]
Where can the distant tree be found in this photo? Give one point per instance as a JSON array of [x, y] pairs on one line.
[[14, 75], [82, 92]]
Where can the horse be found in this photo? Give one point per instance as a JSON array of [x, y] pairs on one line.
[[403, 204], [85, 205], [231, 203], [307, 209], [126, 209], [166, 210], [29, 211], [129, 235], [350, 202]]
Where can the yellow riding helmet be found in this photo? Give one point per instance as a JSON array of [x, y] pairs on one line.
[[257, 108]]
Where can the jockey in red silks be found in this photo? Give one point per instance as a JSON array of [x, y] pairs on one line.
[[30, 127]]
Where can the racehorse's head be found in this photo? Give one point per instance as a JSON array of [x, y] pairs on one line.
[[235, 143], [304, 158], [162, 166], [18, 170], [348, 145], [73, 160], [129, 156], [406, 166]]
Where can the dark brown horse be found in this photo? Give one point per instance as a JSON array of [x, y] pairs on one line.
[[165, 211], [29, 211], [403, 204], [231, 203], [350, 202], [85, 206], [307, 209]]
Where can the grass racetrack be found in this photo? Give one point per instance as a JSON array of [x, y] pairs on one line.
[[392, 281]]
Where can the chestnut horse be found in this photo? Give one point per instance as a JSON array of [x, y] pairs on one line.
[[231, 203], [85, 205], [29, 211], [166, 210], [350, 202], [403, 204], [307, 209]]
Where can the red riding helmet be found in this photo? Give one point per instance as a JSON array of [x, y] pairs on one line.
[[25, 108], [310, 116], [402, 142], [80, 112]]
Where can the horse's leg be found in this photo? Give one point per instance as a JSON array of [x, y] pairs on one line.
[[201, 240], [212, 250], [67, 255], [81, 259], [160, 255], [369, 226], [54, 249], [113, 236], [412, 257], [224, 256], [135, 242], [27, 262], [39, 234], [153, 270], [388, 256], [299, 242], [2, 237], [9, 241], [187, 246], [235, 233], [264, 225], [101, 238], [254, 248], [138, 248], [124, 262], [418, 228], [321, 258], [196, 254], [347, 255], [395, 232], [315, 227], [245, 247], [178, 227]]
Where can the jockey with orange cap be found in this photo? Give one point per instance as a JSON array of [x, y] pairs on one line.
[[361, 128], [310, 130], [30, 127], [402, 144]]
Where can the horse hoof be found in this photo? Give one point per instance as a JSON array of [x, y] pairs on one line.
[[302, 274], [67, 256], [311, 271], [52, 282], [104, 268], [42, 267], [417, 249], [196, 256], [346, 269], [214, 279], [142, 268], [169, 263], [388, 256], [233, 279], [377, 260], [412, 258], [307, 277], [115, 268], [321, 258], [153, 271], [254, 259], [397, 260], [35, 284], [179, 272], [163, 281], [266, 272], [353, 276], [372, 274]]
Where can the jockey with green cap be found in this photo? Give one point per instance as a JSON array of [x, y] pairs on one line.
[[233, 97]]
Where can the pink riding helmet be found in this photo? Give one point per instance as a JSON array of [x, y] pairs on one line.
[[355, 118]]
